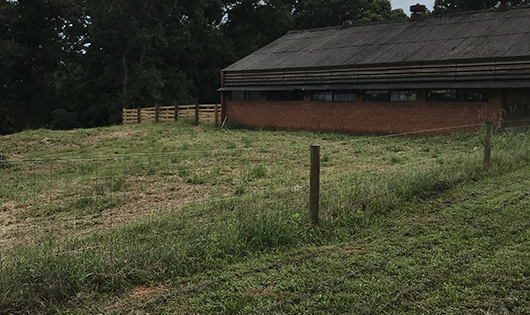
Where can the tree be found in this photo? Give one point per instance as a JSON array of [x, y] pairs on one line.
[[251, 24], [77, 63], [133, 45], [322, 13], [208, 49], [450, 6], [38, 37]]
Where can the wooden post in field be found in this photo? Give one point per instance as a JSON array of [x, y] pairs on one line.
[[196, 114], [216, 113], [157, 113], [314, 184], [176, 111], [487, 144], [139, 115]]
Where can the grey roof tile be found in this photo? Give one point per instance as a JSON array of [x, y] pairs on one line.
[[476, 35]]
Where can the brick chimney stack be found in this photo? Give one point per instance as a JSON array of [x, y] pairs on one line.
[[504, 5], [417, 11], [346, 20]]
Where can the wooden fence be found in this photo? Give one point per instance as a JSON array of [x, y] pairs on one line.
[[203, 113]]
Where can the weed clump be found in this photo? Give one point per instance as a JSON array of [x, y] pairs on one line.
[[4, 162]]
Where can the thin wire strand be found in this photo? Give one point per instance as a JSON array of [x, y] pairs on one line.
[[400, 134], [183, 206], [149, 154]]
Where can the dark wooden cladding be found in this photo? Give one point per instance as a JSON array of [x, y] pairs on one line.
[[459, 71]]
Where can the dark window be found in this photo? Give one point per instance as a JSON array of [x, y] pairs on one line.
[[335, 96], [377, 96], [343, 96], [403, 96], [448, 95], [322, 96], [460, 95], [278, 96], [473, 95], [246, 95]]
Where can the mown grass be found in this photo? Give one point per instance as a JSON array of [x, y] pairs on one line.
[[365, 195]]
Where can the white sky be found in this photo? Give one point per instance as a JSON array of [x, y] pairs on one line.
[[405, 4]]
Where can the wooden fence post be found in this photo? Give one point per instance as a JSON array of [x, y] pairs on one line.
[[314, 184], [157, 113], [487, 144], [216, 113], [196, 114], [176, 111], [139, 115]]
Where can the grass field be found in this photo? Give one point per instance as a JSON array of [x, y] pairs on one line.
[[173, 218]]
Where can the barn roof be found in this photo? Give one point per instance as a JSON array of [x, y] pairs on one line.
[[465, 36]]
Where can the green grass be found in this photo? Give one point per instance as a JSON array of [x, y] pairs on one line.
[[400, 232]]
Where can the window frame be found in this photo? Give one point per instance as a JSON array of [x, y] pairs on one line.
[[460, 96], [344, 92], [429, 97], [377, 92], [322, 93], [331, 96], [483, 93], [401, 93], [295, 96], [248, 96]]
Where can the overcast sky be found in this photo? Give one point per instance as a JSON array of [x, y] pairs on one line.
[[405, 4]]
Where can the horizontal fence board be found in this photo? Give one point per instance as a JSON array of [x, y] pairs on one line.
[[167, 113]]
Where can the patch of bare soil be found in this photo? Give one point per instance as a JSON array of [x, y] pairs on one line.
[[143, 293], [101, 136], [349, 250], [157, 198], [8, 221], [9, 210], [48, 142], [17, 157]]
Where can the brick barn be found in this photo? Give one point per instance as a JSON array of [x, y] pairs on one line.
[[388, 77]]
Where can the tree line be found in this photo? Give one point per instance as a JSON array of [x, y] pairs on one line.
[[76, 63]]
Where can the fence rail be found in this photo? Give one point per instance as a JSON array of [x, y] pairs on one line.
[[203, 113]]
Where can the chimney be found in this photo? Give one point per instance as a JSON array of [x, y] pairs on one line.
[[504, 5], [347, 20], [417, 11]]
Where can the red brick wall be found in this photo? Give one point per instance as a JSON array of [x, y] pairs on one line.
[[367, 117]]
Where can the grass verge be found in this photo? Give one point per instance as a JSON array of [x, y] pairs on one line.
[[209, 235]]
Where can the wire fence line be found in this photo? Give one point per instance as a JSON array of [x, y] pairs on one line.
[[78, 187], [148, 154], [70, 196], [404, 134], [76, 221], [170, 170], [261, 150], [189, 215]]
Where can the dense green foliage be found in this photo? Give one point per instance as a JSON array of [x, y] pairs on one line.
[[450, 6], [77, 63]]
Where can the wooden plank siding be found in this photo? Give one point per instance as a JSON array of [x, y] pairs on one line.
[[207, 113], [451, 71]]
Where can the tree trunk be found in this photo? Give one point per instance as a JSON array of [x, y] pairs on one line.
[[125, 67]]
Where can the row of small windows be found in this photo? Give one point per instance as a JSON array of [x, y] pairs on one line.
[[333, 96], [460, 95], [441, 95]]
